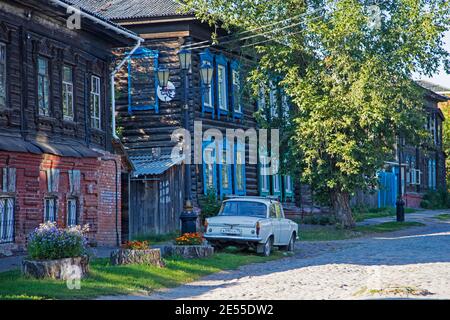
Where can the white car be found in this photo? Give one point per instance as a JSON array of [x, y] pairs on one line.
[[253, 222]]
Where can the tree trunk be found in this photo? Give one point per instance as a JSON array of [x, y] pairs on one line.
[[341, 205]]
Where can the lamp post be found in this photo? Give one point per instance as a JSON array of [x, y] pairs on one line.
[[189, 217], [400, 204]]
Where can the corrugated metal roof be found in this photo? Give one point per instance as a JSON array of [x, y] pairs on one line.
[[131, 9], [148, 165], [432, 86], [89, 7]]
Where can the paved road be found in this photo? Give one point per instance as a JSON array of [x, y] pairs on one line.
[[413, 263]]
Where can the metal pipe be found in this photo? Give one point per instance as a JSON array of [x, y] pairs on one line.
[[105, 24], [113, 88]]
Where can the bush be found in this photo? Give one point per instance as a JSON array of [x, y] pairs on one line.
[[435, 200], [48, 242], [136, 245], [189, 239], [209, 204]]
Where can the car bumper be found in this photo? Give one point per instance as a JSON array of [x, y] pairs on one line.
[[231, 239]]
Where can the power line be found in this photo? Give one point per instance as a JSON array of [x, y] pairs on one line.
[[198, 45]]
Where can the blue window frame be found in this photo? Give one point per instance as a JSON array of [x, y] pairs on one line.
[[264, 177], [142, 84], [225, 174], [239, 169], [222, 85], [432, 174], [288, 187], [207, 93], [209, 166], [236, 87]]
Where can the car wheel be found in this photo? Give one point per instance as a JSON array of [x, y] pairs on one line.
[[291, 245], [268, 247]]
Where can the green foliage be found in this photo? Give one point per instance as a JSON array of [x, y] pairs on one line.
[[48, 242], [209, 204], [445, 107], [106, 279], [438, 199], [350, 84]]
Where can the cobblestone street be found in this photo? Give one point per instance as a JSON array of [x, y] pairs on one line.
[[413, 263]]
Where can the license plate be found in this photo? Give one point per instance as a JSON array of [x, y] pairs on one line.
[[231, 231]]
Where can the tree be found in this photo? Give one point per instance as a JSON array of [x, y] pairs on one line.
[[445, 107], [347, 67]]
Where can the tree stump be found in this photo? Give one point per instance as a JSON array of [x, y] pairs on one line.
[[128, 256], [188, 252], [61, 269]]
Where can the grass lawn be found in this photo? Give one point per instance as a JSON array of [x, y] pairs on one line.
[[105, 279], [377, 213], [331, 233], [443, 217]]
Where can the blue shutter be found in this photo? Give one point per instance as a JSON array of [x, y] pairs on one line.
[[239, 170], [222, 61], [225, 171], [143, 53], [209, 175], [235, 68], [288, 188], [207, 57]]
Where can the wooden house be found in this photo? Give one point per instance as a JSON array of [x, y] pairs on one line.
[[57, 159], [148, 122]]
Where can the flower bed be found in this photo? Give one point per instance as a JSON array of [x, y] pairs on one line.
[[56, 253], [189, 246], [136, 252]]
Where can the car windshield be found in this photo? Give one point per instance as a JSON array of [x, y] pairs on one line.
[[243, 208]]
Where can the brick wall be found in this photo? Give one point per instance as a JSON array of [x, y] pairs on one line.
[[96, 197]]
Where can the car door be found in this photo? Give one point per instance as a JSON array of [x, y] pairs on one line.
[[276, 224], [285, 226]]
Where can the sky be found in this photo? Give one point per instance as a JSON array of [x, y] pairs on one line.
[[441, 78]]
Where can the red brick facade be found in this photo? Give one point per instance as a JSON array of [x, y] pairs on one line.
[[96, 197]]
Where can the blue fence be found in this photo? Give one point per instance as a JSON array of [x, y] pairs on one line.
[[387, 193]]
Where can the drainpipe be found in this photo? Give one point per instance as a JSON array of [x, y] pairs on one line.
[[113, 93], [116, 29]]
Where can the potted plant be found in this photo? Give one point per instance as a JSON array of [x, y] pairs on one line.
[[58, 253], [189, 246], [136, 252]]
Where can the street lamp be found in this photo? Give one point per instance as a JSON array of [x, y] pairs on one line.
[[400, 204], [206, 73], [163, 77], [185, 57]]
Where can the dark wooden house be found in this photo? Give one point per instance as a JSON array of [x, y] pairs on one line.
[[148, 122], [422, 167], [57, 160]]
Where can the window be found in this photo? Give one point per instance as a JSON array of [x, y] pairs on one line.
[[264, 175], [432, 174], [67, 93], [225, 177], [276, 179], [285, 107], [243, 208], [2, 75], [432, 127], [222, 87], [206, 58], [288, 184], [6, 220], [50, 210], [95, 103], [43, 87], [239, 169], [72, 212], [209, 166]]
